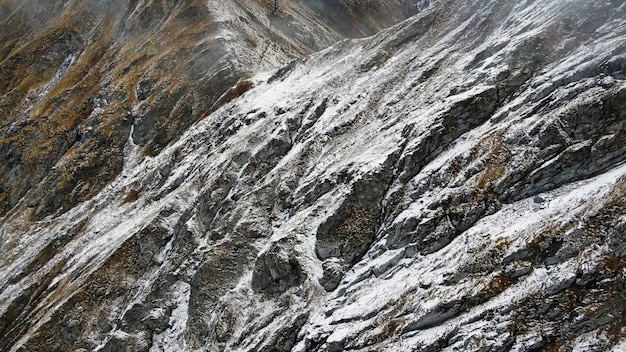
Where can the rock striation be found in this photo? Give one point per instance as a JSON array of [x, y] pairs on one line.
[[455, 182]]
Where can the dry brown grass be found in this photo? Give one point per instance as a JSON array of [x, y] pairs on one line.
[[131, 197], [498, 284], [237, 91], [497, 158], [613, 264]]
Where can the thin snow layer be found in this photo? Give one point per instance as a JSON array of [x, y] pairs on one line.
[[447, 113], [422, 278]]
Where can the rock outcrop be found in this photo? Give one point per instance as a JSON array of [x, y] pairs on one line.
[[453, 182]]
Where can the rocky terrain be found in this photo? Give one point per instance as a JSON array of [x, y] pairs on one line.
[[221, 176]]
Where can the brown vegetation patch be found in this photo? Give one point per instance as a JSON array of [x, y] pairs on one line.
[[496, 160], [131, 197], [233, 93], [148, 152], [617, 330], [498, 284], [613, 264]]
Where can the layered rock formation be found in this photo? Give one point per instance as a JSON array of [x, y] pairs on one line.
[[454, 182]]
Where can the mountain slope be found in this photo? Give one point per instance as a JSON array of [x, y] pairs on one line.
[[77, 74], [455, 182]]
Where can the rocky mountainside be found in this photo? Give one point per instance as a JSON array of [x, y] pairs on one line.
[[203, 176], [76, 75]]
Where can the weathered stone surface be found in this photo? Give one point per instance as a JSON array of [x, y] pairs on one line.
[[277, 269], [174, 180], [334, 270]]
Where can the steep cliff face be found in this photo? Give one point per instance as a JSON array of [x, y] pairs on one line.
[[454, 182]]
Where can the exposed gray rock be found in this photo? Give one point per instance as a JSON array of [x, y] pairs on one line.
[[334, 269], [277, 269], [454, 182]]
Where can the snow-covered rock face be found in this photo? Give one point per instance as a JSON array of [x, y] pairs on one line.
[[455, 182]]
